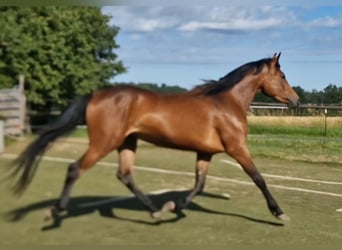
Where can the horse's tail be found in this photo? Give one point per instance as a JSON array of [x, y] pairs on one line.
[[27, 162]]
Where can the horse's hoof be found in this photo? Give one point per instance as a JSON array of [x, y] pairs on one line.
[[169, 206], [53, 214], [49, 214], [283, 217], [156, 215], [226, 196]]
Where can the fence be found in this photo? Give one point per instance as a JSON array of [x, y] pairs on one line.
[[13, 109], [277, 109]]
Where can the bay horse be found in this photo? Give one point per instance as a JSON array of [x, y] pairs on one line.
[[209, 119]]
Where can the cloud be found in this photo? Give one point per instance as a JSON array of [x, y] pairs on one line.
[[239, 19], [328, 22], [195, 18], [140, 19], [234, 25], [147, 25]]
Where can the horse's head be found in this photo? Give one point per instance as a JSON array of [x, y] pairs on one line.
[[274, 84]]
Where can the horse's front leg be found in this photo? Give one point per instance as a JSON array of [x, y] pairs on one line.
[[241, 154], [202, 165]]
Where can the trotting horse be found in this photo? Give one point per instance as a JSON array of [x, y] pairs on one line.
[[209, 119]]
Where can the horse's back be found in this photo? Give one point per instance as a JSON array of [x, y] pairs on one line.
[[113, 106]]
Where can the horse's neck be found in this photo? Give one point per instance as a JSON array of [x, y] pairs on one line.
[[244, 92]]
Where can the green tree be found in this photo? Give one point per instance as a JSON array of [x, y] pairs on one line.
[[62, 51], [332, 94], [301, 93], [316, 97]]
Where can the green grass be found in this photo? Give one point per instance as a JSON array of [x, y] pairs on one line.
[[242, 220], [294, 148], [317, 131], [286, 130]]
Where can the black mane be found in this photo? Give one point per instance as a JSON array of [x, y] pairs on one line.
[[213, 87]]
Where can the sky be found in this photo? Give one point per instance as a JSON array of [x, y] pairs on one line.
[[185, 44]]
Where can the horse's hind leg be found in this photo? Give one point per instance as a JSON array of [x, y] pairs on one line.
[[124, 174], [92, 155], [72, 176]]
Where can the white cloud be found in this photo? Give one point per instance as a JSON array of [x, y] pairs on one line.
[[193, 18], [140, 19], [145, 24], [237, 24], [327, 21]]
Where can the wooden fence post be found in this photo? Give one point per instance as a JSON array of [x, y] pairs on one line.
[[25, 112]]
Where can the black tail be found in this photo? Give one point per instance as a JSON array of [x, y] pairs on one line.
[[27, 162]]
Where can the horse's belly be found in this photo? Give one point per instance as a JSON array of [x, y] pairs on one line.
[[186, 142]]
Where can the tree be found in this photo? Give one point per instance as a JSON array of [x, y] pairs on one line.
[[316, 97], [301, 93], [62, 51], [332, 94]]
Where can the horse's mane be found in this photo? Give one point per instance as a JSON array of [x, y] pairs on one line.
[[213, 87]]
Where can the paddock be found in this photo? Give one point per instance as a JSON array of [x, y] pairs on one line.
[[103, 209]]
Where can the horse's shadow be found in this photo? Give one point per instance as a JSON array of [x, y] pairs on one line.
[[105, 206]]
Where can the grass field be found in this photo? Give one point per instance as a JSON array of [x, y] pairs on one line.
[[310, 198], [318, 126]]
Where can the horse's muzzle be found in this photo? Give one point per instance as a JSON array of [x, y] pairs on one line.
[[293, 102]]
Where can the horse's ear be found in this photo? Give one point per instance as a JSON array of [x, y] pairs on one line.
[[276, 57]]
